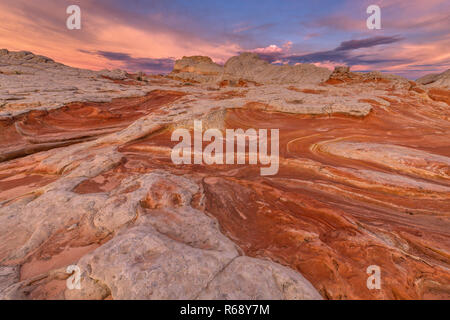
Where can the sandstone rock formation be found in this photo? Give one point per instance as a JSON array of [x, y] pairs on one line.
[[441, 80], [29, 80], [363, 180], [197, 68], [247, 67]]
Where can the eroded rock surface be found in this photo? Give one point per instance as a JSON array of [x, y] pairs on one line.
[[32, 81], [249, 66], [441, 80], [363, 180]]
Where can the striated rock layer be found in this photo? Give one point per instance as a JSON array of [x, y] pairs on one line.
[[363, 180]]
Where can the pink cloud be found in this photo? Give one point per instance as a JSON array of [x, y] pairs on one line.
[[269, 49], [49, 36]]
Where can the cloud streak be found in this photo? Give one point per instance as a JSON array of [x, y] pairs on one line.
[[344, 52], [149, 65]]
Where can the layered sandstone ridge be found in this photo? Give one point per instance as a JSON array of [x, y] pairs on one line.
[[363, 180], [197, 68]]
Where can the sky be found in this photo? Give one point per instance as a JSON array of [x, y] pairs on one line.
[[149, 36]]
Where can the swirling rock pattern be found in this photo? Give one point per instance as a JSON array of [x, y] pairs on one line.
[[363, 180]]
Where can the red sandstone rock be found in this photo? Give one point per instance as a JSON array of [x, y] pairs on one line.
[[93, 184]]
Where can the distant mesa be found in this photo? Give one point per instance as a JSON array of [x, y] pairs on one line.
[[197, 69], [197, 64]]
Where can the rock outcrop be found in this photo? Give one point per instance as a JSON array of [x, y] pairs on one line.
[[364, 179], [441, 80], [196, 68], [248, 66], [29, 80]]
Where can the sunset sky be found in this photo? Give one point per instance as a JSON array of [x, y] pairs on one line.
[[150, 35]]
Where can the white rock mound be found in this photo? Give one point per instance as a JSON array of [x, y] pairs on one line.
[[249, 66]]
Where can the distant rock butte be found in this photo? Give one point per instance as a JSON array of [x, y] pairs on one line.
[[197, 64], [86, 178]]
